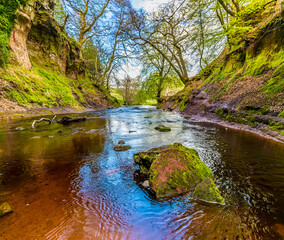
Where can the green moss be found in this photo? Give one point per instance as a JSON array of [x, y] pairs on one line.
[[17, 115], [145, 159], [207, 191], [281, 115], [162, 128], [243, 118], [184, 102], [176, 170], [276, 126], [265, 60], [45, 88], [7, 20], [276, 82]]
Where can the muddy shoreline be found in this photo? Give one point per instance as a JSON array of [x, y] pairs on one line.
[[47, 111], [237, 126]]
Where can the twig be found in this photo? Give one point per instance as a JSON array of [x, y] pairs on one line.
[[40, 120]]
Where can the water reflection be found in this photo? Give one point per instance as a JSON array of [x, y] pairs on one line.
[[67, 182]]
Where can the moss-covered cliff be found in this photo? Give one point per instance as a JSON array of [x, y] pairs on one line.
[[42, 66], [245, 84]]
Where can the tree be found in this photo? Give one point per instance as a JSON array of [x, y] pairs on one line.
[[91, 54], [158, 72], [130, 89], [85, 20], [169, 33]]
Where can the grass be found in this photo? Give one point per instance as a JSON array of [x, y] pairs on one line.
[[276, 82], [44, 88]]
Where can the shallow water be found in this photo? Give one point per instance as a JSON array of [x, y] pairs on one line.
[[67, 182]]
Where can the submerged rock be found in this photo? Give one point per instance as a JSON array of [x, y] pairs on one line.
[[20, 129], [177, 170], [5, 209], [208, 192], [121, 147], [121, 142], [163, 128], [146, 184]]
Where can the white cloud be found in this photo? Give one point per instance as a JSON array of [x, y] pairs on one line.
[[148, 5]]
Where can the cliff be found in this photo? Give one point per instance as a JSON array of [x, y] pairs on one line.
[[44, 68], [245, 84]]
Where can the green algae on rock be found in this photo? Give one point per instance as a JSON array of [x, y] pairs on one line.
[[207, 191], [163, 128], [177, 170], [121, 147], [5, 209], [145, 159]]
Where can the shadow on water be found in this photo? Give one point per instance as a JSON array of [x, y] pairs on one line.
[[67, 182]]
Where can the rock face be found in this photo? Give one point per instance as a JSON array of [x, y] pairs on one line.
[[18, 40], [5, 209], [177, 170], [208, 192], [37, 37], [162, 128]]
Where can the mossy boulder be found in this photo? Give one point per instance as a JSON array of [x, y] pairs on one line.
[[207, 191], [177, 170], [121, 147], [5, 209], [145, 159], [162, 128]]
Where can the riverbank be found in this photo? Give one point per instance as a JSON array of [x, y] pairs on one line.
[[269, 134], [28, 113], [200, 108]]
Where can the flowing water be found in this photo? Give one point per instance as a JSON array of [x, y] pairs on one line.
[[67, 182]]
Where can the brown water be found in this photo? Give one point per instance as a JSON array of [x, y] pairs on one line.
[[67, 182]]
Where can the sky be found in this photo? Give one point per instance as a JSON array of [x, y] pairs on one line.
[[148, 5]]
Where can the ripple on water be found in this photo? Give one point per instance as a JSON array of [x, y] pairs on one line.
[[75, 186]]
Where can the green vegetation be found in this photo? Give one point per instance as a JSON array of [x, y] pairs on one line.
[[207, 191], [243, 118], [45, 88], [276, 81], [187, 171]]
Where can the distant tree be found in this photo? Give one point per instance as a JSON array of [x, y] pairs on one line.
[[130, 89], [91, 54]]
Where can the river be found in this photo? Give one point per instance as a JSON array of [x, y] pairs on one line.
[[67, 182]]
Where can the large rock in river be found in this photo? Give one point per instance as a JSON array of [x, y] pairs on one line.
[[177, 170]]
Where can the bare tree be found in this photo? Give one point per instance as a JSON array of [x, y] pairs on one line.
[[86, 15]]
